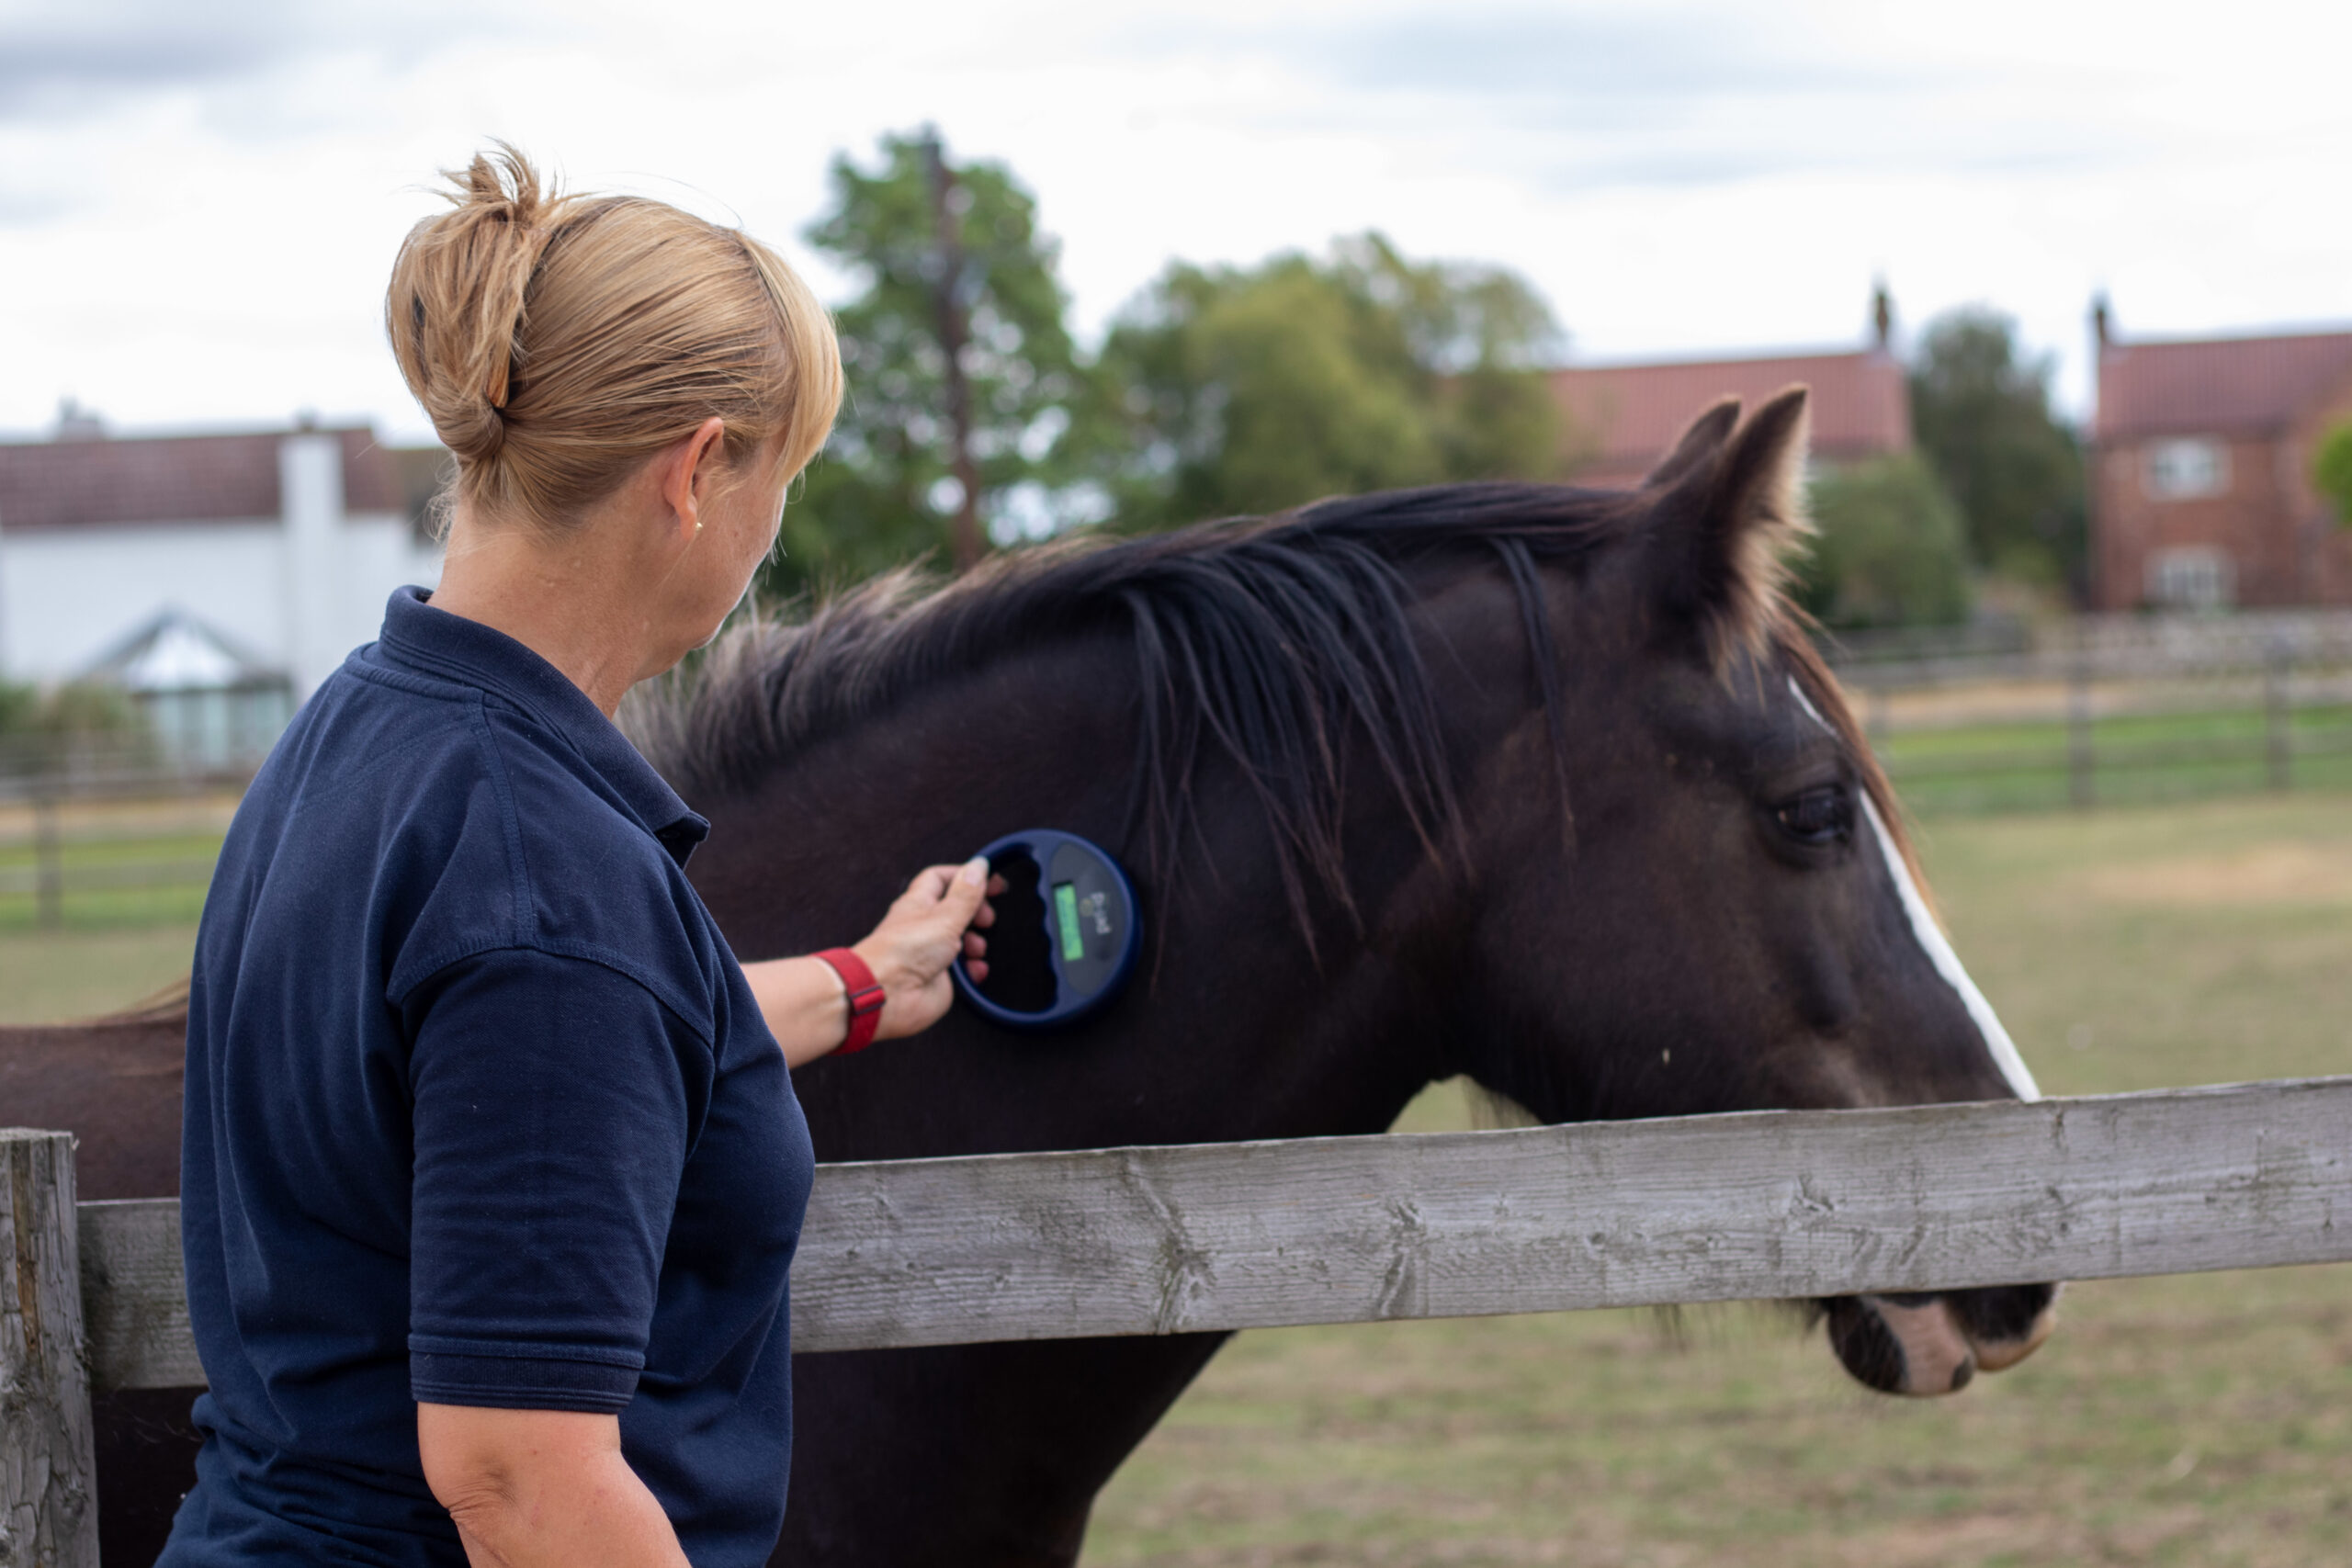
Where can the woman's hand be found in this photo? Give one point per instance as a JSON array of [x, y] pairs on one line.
[[803, 1000], [928, 928]]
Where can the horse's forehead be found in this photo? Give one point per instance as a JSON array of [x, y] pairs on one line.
[[1752, 706]]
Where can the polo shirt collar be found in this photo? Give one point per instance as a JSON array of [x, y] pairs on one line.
[[456, 648]]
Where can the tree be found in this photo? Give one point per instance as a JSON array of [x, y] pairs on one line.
[[2332, 471], [1251, 390], [1981, 415], [1889, 548], [886, 488]]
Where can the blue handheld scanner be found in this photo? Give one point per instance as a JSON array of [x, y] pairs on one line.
[[1066, 932]]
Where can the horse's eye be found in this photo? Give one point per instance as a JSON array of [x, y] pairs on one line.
[[1822, 815]]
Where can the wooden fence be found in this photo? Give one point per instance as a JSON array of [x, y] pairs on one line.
[[1164, 1240]]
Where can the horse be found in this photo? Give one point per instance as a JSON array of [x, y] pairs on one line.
[[1541, 785]]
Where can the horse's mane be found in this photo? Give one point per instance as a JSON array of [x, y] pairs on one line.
[[1267, 639]]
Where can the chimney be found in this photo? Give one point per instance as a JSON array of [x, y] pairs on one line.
[[1881, 317], [309, 487], [2102, 329], [75, 422]]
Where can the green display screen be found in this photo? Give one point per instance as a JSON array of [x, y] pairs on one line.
[[1066, 911]]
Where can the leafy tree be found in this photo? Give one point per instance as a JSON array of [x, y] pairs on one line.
[[1981, 415], [2332, 471], [1889, 548], [886, 487], [1253, 389]]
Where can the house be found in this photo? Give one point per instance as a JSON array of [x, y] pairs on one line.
[[2201, 466], [211, 705], [276, 548], [1622, 419]]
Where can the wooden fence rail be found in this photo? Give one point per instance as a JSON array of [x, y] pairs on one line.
[[1161, 1240]]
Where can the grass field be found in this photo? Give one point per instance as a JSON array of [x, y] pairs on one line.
[[123, 864], [2198, 1420], [49, 975]]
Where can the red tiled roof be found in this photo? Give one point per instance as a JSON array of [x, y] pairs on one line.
[[2216, 384], [180, 478], [1625, 417]]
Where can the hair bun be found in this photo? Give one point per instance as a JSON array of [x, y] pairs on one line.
[[455, 308], [557, 342]]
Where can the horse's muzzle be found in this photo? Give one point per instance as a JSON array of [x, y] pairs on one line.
[[1928, 1345]]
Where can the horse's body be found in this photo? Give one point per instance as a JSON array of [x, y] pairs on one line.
[[1533, 784]]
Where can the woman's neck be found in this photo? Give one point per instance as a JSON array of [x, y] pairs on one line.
[[571, 598]]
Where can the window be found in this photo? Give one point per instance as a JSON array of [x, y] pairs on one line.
[[2192, 576], [2187, 469]]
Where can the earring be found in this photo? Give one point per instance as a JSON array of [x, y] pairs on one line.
[[697, 525]]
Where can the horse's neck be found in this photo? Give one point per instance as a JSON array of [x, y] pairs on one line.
[[1231, 1028]]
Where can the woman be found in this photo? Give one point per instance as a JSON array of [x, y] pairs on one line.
[[493, 1170]]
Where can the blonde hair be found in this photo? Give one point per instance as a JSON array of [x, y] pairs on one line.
[[557, 340]]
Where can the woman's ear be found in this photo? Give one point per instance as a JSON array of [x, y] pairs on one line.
[[690, 475]]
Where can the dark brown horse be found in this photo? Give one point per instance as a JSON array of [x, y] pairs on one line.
[[1541, 785]]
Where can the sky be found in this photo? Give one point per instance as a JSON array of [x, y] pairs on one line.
[[199, 204]]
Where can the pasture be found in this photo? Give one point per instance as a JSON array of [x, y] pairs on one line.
[[2198, 1420]]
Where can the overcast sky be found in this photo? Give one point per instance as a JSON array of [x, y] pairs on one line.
[[199, 203]]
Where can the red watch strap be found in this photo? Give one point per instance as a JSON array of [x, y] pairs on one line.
[[866, 997]]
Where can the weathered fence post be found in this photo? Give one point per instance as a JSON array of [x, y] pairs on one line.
[[2277, 718], [2081, 791], [49, 862], [48, 1509]]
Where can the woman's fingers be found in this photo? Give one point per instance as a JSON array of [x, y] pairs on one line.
[[933, 923]]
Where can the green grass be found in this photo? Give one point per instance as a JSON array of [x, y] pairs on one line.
[[113, 880], [48, 976], [2196, 1420]]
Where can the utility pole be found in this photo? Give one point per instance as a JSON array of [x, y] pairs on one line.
[[949, 284]]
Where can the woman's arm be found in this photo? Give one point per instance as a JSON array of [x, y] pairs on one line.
[[804, 1003], [542, 1489]]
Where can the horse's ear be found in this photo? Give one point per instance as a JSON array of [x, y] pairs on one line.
[[1724, 523], [1697, 444]]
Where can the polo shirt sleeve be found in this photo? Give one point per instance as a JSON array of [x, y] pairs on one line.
[[554, 1102]]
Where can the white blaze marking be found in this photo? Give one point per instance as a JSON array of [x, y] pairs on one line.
[[1933, 942]]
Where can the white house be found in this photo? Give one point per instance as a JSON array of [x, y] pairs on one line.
[[283, 544]]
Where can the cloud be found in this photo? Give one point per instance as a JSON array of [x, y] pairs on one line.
[[1657, 95], [1651, 54], [20, 209], [64, 61]]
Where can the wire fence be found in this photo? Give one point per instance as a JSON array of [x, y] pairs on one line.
[[2100, 711]]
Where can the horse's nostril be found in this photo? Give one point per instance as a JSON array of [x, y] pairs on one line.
[[1962, 1375], [2005, 1324]]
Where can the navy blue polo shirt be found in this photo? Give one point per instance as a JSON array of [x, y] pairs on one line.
[[481, 1112]]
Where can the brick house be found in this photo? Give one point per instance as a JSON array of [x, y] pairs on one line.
[[1622, 419], [2201, 469]]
